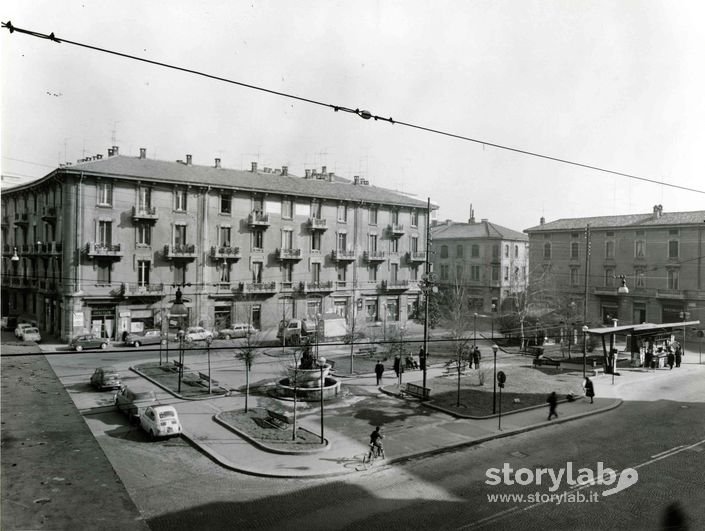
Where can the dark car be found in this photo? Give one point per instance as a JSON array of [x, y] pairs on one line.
[[105, 378], [84, 341], [133, 403], [149, 337]]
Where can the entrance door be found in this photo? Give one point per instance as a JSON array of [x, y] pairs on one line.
[[256, 316]]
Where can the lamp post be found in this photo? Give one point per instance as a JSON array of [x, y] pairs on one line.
[[684, 317], [495, 348], [494, 309], [179, 311], [585, 329], [474, 330], [321, 365], [181, 358]]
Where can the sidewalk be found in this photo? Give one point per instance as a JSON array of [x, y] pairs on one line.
[[411, 430]]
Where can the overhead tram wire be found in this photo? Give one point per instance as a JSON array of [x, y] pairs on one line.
[[361, 113]]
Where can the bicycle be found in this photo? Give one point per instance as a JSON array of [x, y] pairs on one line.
[[376, 451]]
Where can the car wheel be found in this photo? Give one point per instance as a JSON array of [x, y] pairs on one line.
[[137, 344], [103, 346], [163, 341], [79, 348], [188, 339]]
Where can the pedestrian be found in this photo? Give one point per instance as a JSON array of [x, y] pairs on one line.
[[124, 336], [679, 355], [589, 389], [379, 369], [397, 365], [476, 357], [552, 403], [671, 358], [422, 359]]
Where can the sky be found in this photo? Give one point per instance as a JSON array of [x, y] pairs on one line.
[[615, 84]]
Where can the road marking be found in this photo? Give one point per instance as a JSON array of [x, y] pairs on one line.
[[667, 451]]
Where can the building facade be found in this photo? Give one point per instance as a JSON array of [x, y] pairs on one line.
[[657, 256], [103, 245], [491, 261]]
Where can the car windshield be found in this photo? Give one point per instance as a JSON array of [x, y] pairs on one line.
[[166, 414], [31, 330]]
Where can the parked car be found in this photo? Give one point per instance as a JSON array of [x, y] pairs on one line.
[[237, 330], [160, 421], [105, 378], [133, 403], [149, 337], [31, 333], [84, 341], [21, 326], [198, 333]]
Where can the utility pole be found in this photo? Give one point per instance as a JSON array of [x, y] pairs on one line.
[[587, 272], [427, 293]]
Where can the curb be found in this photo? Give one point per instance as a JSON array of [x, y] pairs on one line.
[[177, 395]]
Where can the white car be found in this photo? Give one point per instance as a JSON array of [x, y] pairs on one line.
[[160, 421], [31, 333], [198, 333], [237, 330], [20, 328]]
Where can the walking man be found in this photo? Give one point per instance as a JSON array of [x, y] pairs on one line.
[[379, 369], [552, 403], [422, 358], [679, 353], [589, 389], [397, 365], [476, 356]]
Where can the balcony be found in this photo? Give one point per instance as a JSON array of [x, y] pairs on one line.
[[319, 287], [373, 256], [103, 250], [145, 213], [318, 224], [255, 288], [416, 256], [225, 253], [341, 255], [21, 218], [258, 219], [670, 294], [605, 290], [180, 252], [49, 213], [288, 254], [394, 285], [396, 230], [288, 287], [135, 289]]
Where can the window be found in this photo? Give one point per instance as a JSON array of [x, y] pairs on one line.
[[574, 250], [547, 250], [495, 251], [180, 200], [444, 251], [672, 278], [225, 268], [506, 250], [506, 272], [317, 210], [574, 277], [370, 310], [639, 249], [179, 273], [105, 194], [224, 237], [343, 213], [372, 272], [143, 273], [316, 242], [257, 269], [639, 278], [373, 243], [394, 273], [342, 274], [495, 274], [287, 273], [287, 239], [342, 241], [458, 272], [258, 240], [475, 273], [609, 278], [374, 213], [144, 235], [673, 248], [475, 251], [179, 235], [392, 309], [458, 251], [105, 232], [316, 272], [415, 244], [104, 274], [395, 217], [609, 249], [414, 273], [145, 198], [226, 203], [414, 218], [394, 246], [444, 271], [287, 209], [516, 251]]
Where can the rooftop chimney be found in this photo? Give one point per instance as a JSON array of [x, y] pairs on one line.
[[471, 220], [110, 152], [188, 160], [658, 211], [356, 179], [116, 151], [217, 163], [542, 220], [331, 176], [483, 220], [285, 170], [323, 170], [143, 153], [308, 174], [254, 167], [99, 156]]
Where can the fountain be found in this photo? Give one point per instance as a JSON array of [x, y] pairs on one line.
[[305, 380]]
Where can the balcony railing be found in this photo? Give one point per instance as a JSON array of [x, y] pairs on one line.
[[396, 229], [225, 253], [373, 256], [21, 218], [313, 287], [49, 213], [289, 254], [318, 223], [416, 256], [257, 287], [103, 250], [137, 289], [182, 251], [258, 219], [394, 285], [341, 255], [670, 294], [145, 213]]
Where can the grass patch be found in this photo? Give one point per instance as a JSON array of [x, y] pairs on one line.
[[193, 385], [254, 424]]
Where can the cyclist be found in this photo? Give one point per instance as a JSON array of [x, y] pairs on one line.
[[376, 442]]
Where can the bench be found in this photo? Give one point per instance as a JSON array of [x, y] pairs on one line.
[[452, 369], [367, 351], [417, 391], [278, 420]]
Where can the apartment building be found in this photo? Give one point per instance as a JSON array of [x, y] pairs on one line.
[[491, 261], [658, 256], [103, 244]]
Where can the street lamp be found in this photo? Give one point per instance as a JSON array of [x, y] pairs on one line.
[[495, 348], [15, 256], [179, 310], [494, 309], [474, 330], [585, 329], [321, 365], [623, 289]]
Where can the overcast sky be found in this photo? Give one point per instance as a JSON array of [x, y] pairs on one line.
[[615, 84]]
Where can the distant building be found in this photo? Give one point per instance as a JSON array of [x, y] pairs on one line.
[[491, 261], [103, 244], [660, 255]]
